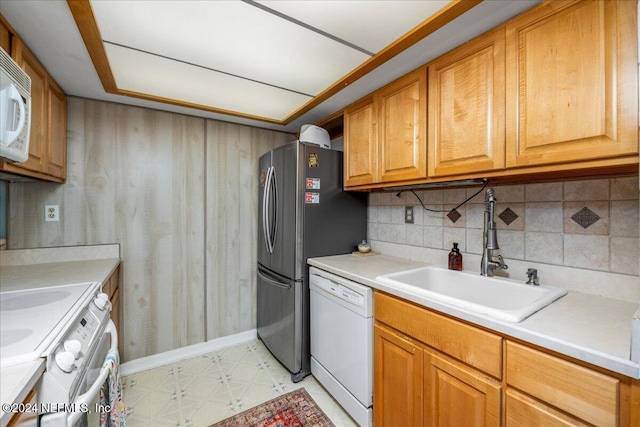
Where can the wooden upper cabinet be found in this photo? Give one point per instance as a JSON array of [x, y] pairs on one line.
[[572, 86], [5, 37], [402, 128], [37, 135], [361, 144], [385, 134], [466, 108], [56, 142], [48, 135]]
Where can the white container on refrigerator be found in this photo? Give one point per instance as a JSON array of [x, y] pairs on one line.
[[342, 341]]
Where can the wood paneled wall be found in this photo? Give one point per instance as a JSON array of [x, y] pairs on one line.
[[179, 195], [232, 223]]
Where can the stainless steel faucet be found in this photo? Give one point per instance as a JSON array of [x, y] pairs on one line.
[[490, 238]]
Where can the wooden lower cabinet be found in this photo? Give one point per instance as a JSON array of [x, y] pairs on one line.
[[576, 390], [421, 378], [456, 395], [397, 380], [417, 386], [523, 411], [111, 287]]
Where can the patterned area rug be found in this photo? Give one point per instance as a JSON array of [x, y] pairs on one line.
[[295, 409]]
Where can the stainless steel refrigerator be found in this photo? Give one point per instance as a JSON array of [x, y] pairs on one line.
[[303, 213]]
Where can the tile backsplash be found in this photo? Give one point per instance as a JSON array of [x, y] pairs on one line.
[[589, 224]]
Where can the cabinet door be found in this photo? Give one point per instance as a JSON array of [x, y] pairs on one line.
[[397, 380], [360, 144], [30, 64], [456, 395], [572, 86], [5, 36], [56, 141], [402, 132], [466, 108]]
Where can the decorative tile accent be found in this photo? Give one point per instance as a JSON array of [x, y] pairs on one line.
[[508, 216], [454, 215], [585, 217]]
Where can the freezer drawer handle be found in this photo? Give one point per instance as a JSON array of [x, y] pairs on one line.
[[273, 282]]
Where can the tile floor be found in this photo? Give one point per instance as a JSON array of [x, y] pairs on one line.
[[205, 389]]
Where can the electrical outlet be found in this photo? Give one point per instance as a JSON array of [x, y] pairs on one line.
[[51, 213], [408, 214]]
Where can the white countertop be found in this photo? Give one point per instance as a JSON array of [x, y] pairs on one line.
[[20, 277], [17, 382], [590, 328], [38, 268]]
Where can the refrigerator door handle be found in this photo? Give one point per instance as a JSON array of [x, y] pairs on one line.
[[273, 281], [274, 189], [265, 211]]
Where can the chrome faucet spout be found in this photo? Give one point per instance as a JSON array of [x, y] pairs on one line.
[[490, 238]]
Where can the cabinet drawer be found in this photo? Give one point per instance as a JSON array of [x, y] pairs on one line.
[[524, 411], [478, 348], [587, 394]]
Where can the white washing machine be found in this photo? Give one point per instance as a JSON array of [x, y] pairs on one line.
[[342, 341]]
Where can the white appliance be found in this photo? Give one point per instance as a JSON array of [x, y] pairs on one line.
[[68, 326], [635, 336], [342, 341], [313, 134], [15, 109]]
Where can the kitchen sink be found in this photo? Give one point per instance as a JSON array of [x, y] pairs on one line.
[[496, 297]]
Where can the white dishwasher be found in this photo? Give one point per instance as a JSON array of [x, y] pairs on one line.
[[341, 322]]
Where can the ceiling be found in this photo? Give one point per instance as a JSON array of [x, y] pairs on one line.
[[272, 64]]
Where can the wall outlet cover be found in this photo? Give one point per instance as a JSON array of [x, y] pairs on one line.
[[408, 214], [51, 213]]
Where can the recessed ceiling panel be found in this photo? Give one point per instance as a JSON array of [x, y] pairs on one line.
[[229, 36], [148, 74], [371, 25]]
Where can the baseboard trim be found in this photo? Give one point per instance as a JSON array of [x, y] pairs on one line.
[[172, 356]]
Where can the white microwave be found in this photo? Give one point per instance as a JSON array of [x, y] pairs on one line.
[[15, 110]]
